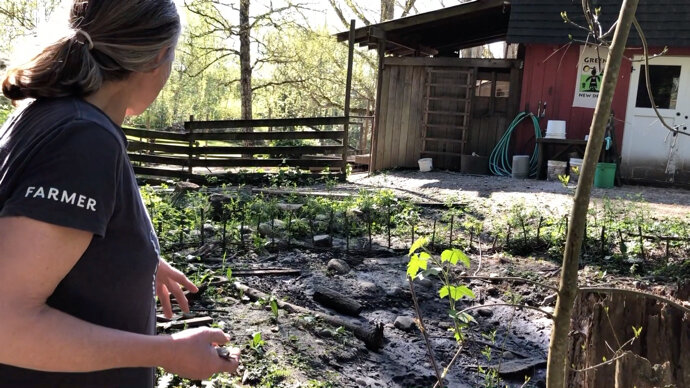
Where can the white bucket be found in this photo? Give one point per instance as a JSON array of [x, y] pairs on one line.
[[425, 164], [555, 169], [520, 166], [575, 164], [555, 129]]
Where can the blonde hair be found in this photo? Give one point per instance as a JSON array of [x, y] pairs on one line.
[[109, 39]]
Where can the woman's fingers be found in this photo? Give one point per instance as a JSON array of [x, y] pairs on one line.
[[180, 297], [164, 298], [183, 280]]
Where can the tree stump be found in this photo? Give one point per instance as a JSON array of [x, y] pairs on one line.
[[601, 323], [635, 371]]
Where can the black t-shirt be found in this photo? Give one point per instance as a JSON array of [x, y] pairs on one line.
[[63, 161]]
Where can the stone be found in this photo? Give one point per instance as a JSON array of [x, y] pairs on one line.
[[426, 282], [322, 241], [267, 229], [485, 312], [338, 266], [209, 228], [186, 186], [396, 291], [404, 323], [507, 355], [322, 217], [369, 287], [289, 207], [549, 300]]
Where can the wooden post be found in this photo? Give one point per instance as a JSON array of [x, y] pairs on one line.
[[377, 114], [190, 134], [348, 97]]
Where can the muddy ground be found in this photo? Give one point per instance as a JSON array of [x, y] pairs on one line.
[[302, 351]]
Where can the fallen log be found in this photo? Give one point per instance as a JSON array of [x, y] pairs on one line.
[[337, 301], [371, 336]]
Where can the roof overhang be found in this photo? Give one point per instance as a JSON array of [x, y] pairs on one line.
[[441, 32]]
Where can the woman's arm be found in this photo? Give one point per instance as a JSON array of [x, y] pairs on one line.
[[34, 258]]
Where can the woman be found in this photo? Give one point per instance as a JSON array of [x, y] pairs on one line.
[[78, 255]]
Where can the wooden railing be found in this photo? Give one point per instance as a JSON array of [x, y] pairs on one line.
[[228, 148]]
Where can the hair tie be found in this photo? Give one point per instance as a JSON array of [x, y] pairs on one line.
[[85, 35]]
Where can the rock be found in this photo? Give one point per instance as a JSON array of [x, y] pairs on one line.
[[368, 287], [485, 312], [396, 291], [322, 241], [507, 355], [245, 229], [361, 382], [186, 186], [404, 323], [426, 282], [267, 229], [322, 217], [289, 207], [338, 266], [549, 300], [209, 228]]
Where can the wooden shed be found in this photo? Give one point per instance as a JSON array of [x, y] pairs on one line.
[[430, 102]]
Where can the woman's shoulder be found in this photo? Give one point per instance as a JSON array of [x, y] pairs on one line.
[[57, 117]]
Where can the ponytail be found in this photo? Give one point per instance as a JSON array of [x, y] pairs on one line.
[[109, 40], [64, 68]]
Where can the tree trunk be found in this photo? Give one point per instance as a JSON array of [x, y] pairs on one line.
[[245, 61], [604, 322], [567, 291], [387, 10], [638, 372]]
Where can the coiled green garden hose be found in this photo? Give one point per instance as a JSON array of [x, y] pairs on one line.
[[499, 161]]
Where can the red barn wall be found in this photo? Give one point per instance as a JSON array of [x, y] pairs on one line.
[[550, 73]]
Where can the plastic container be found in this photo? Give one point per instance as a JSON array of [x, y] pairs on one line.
[[520, 166], [575, 167], [555, 129], [426, 164], [555, 169], [605, 175]]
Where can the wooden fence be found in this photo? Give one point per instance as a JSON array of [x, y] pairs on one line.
[[227, 147]]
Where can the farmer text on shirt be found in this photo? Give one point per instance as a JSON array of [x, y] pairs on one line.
[[77, 252]]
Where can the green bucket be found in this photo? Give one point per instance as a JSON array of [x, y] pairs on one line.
[[605, 175]]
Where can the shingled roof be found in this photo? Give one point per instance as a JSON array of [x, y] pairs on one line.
[[664, 22]]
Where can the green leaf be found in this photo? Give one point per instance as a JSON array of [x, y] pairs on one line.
[[229, 273], [455, 255], [637, 331], [461, 291], [444, 291], [416, 263], [433, 271], [421, 242]]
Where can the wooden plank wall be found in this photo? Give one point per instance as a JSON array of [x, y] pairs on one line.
[[402, 99], [400, 124]]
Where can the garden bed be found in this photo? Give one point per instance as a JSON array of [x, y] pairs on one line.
[[357, 245]]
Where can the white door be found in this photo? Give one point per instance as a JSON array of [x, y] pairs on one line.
[[650, 152]]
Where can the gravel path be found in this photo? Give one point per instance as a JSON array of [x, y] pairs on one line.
[[437, 186]]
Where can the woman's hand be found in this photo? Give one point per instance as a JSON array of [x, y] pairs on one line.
[[193, 354], [169, 281]]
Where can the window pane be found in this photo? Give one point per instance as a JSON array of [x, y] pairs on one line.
[[483, 88], [502, 89], [664, 80]]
